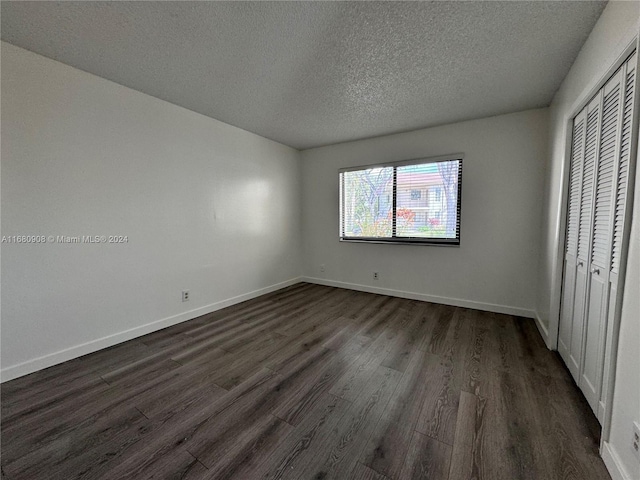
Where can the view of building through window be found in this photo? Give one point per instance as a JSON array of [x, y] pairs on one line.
[[426, 202]]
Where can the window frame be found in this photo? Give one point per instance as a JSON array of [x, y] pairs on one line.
[[433, 241]]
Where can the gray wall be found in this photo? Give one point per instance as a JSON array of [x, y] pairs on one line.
[[206, 207], [495, 266]]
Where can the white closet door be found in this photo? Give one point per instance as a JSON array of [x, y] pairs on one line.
[[598, 216], [571, 251], [584, 235], [600, 245], [621, 186]]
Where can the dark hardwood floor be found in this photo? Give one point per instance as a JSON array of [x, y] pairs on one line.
[[309, 382]]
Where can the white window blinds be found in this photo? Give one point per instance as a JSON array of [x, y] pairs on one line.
[[415, 201]]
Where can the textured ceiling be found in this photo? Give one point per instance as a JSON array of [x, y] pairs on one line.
[[315, 73]]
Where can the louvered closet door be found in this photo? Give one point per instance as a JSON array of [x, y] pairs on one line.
[[620, 189], [571, 250], [597, 216], [592, 134], [601, 240]]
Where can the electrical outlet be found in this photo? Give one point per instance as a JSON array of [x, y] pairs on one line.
[[636, 439], [375, 275], [322, 268], [185, 295]]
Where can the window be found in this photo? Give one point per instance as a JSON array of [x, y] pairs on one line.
[[437, 191], [385, 203]]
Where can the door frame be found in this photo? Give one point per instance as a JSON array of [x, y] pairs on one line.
[[557, 278]]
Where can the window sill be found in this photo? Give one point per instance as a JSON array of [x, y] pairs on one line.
[[397, 241]]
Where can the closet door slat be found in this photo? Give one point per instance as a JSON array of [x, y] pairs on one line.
[[600, 249], [623, 169], [591, 151], [577, 157]]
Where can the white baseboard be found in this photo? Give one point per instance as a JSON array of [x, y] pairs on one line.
[[51, 359], [613, 463], [456, 302], [544, 331]]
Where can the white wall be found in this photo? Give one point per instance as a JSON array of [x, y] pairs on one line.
[[495, 266], [626, 397], [613, 32], [206, 207]]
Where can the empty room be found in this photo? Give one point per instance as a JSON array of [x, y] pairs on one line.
[[320, 240]]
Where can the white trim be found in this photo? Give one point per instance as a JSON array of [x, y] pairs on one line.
[[456, 302], [544, 331], [51, 359], [411, 161], [613, 463]]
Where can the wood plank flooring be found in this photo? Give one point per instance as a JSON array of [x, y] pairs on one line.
[[309, 382]]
